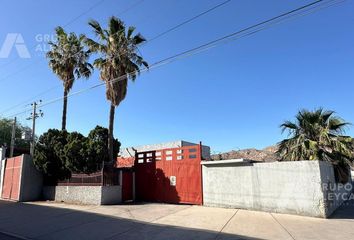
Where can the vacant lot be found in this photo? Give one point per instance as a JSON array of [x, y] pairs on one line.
[[45, 220]]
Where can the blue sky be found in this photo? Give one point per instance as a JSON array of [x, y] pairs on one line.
[[233, 96]]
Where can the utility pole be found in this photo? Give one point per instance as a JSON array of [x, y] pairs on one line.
[[33, 117], [13, 136]]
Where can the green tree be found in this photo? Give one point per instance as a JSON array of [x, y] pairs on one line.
[[318, 135], [118, 61], [68, 59], [75, 152], [49, 152], [6, 132], [97, 146], [59, 153]]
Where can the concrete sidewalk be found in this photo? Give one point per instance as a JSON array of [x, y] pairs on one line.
[[45, 220]]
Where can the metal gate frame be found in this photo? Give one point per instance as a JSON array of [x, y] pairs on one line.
[[171, 175]]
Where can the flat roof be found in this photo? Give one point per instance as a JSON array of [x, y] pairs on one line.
[[240, 160]]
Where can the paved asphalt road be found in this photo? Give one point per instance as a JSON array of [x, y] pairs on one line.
[[47, 221], [7, 237]]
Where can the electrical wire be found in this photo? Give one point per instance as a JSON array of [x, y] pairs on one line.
[[187, 21], [65, 25], [211, 44], [154, 38]]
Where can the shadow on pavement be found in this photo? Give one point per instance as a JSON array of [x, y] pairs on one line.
[[346, 211], [44, 222], [8, 237]]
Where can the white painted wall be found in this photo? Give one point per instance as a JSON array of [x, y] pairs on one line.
[[2, 152], [284, 187], [2, 171], [2, 157]]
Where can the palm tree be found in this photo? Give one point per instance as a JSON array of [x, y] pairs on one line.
[[317, 135], [118, 61], [68, 59]]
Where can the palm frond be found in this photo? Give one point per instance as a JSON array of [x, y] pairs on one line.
[[316, 135], [131, 29], [118, 57], [97, 29]]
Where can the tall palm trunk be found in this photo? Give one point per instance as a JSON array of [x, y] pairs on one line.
[[110, 132], [65, 106]]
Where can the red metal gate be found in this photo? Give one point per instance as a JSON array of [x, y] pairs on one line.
[[127, 185], [12, 178], [169, 175]]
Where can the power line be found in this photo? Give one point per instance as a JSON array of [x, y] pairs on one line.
[[233, 36], [193, 50], [84, 13], [152, 39], [78, 17], [131, 7], [188, 21], [229, 36], [71, 21], [28, 66], [29, 99], [67, 24]]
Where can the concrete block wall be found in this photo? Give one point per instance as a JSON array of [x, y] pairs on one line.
[[73, 194], [111, 195], [335, 194], [91, 195], [31, 181], [283, 187]]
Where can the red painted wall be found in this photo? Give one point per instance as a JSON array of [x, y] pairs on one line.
[[11, 183]]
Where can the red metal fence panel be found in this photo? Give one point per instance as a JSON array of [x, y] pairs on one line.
[[108, 177], [170, 175], [12, 178]]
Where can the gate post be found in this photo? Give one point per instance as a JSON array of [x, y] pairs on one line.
[[133, 186], [2, 171], [201, 171], [2, 163]]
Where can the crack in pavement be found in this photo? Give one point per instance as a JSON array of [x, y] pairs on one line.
[[282, 226], [228, 221]]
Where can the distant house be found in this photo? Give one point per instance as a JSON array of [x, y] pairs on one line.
[[125, 162]]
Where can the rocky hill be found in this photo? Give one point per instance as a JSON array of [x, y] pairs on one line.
[[265, 155]]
